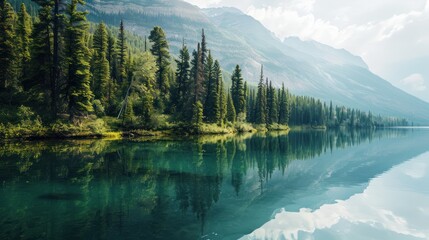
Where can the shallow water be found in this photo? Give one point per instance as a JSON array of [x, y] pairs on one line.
[[304, 185]]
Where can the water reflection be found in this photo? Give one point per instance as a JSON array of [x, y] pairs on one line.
[[395, 205], [153, 190]]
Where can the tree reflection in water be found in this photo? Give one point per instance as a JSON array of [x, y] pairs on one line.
[[99, 189]]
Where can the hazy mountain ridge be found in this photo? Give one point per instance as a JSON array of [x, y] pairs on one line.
[[306, 67]]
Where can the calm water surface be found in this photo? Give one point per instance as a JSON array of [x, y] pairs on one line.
[[301, 185]]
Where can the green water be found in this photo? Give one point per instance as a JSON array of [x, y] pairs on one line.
[[213, 187]]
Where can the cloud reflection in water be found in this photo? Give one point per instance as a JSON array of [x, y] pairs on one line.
[[394, 205]]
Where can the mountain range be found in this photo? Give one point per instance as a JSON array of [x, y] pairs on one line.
[[305, 67]]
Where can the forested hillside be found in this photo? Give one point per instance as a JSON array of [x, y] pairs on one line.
[[60, 74]]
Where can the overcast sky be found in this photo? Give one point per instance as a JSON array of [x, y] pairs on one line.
[[391, 36]]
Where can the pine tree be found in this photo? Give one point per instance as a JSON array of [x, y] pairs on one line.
[[23, 32], [284, 106], [57, 55], [238, 92], [182, 88], [204, 55], [197, 75], [113, 81], [261, 101], [39, 81], [272, 105], [160, 50], [111, 54], [78, 76], [121, 51], [250, 106], [197, 115], [7, 46], [101, 69], [230, 109], [211, 106], [222, 96]]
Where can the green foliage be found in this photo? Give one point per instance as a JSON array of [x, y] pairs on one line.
[[230, 110], [181, 89], [88, 127], [39, 80], [98, 108], [27, 124], [214, 129], [211, 105], [62, 69], [23, 32], [238, 91], [160, 51], [7, 46], [128, 119], [222, 97], [197, 115], [261, 102], [284, 106], [100, 68], [197, 75], [121, 49], [144, 80], [80, 94], [272, 105], [242, 127]]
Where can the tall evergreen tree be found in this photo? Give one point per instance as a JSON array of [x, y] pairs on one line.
[[7, 46], [197, 115], [39, 82], [261, 101], [23, 32], [204, 55], [221, 93], [160, 50], [284, 106], [211, 105], [111, 54], [182, 88], [78, 76], [101, 69], [121, 51], [57, 71], [250, 106], [197, 75], [230, 109], [272, 107], [238, 92], [113, 82]]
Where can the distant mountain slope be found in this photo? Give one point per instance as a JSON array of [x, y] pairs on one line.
[[306, 67]]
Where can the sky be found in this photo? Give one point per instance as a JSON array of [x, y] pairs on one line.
[[391, 36]]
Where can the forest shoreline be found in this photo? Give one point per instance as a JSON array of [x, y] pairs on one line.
[[35, 132]]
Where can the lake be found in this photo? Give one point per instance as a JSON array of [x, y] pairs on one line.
[[370, 184]]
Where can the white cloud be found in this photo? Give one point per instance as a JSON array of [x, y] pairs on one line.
[[378, 207], [284, 23], [414, 82], [394, 24]]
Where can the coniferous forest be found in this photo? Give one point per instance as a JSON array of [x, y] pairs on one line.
[[61, 75]]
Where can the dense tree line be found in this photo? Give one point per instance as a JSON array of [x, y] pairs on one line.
[[63, 67]]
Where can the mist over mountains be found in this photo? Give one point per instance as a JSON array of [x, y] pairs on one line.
[[305, 67]]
